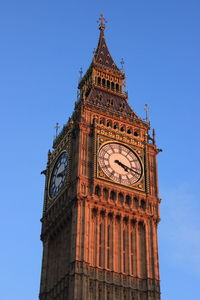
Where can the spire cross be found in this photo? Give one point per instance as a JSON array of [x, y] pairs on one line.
[[56, 128], [102, 22], [146, 108]]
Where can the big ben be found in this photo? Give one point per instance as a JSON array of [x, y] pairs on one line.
[[101, 202]]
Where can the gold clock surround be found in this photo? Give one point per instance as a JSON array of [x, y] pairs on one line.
[[139, 153]]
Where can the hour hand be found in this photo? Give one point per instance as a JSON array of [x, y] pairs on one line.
[[122, 165]]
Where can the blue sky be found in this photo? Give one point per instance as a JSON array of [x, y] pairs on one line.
[[43, 45]]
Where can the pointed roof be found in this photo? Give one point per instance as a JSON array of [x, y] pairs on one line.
[[102, 55]]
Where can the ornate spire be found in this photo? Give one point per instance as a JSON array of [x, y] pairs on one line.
[[102, 55]]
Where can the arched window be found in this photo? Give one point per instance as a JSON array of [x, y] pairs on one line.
[[136, 202], [136, 133], [99, 81], [121, 198], [97, 190], [117, 87], [116, 126], [105, 193], [113, 195], [129, 131], [109, 123], [108, 84], [143, 204], [112, 85], [128, 199], [103, 82]]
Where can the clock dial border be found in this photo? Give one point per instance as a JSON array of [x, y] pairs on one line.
[[139, 184]]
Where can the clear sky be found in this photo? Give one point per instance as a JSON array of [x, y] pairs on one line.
[[43, 44]]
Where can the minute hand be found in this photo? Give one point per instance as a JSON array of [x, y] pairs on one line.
[[126, 168], [131, 169]]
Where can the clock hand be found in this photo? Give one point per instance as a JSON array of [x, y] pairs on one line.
[[126, 168], [122, 165], [133, 169]]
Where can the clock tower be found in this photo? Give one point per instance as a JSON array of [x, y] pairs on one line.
[[101, 202]]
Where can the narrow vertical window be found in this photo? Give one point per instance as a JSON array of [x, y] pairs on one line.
[[124, 251], [100, 245], [108, 295], [132, 252], [117, 246], [108, 246], [142, 247], [100, 294]]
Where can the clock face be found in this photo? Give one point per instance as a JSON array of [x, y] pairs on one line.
[[120, 163], [58, 175]]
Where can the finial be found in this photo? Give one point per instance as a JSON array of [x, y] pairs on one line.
[[154, 136], [146, 108], [102, 22], [81, 73], [56, 128], [124, 81], [77, 96], [49, 153], [122, 65]]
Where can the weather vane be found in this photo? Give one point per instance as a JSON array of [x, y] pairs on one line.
[[56, 128], [146, 108], [102, 22]]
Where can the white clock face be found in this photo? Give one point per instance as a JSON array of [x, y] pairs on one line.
[[58, 175], [120, 163]]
